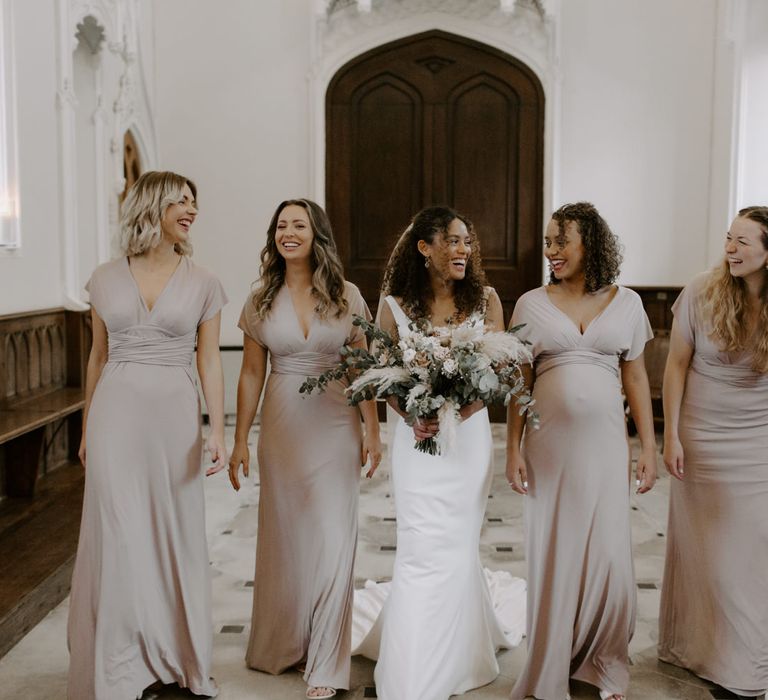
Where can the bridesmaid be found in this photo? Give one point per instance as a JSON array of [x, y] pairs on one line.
[[140, 609], [588, 336], [309, 453], [714, 601]]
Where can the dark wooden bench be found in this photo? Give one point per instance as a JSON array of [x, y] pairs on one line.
[[42, 360], [23, 428], [657, 302], [43, 355], [655, 361]]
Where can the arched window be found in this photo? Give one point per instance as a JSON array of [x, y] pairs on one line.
[[9, 207], [131, 163]]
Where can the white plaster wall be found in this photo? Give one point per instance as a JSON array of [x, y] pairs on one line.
[[636, 120], [34, 276], [85, 74], [31, 277], [636, 124], [232, 101], [754, 167]]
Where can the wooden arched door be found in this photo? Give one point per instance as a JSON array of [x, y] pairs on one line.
[[436, 119]]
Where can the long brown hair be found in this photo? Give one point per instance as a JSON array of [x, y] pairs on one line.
[[327, 270], [406, 277], [726, 303]]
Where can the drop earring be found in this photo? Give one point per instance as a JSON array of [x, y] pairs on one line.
[[426, 261]]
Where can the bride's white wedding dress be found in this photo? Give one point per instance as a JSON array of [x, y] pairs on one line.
[[439, 629]]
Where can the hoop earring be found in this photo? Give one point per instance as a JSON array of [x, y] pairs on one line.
[[426, 261]]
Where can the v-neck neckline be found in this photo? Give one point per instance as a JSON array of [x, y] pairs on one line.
[[573, 323], [305, 338], [143, 301]]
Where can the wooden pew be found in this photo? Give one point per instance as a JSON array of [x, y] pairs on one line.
[[42, 361], [657, 302], [43, 355]]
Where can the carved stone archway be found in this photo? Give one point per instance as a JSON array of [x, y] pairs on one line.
[[523, 29]]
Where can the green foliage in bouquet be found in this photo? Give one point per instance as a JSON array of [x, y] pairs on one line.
[[433, 371]]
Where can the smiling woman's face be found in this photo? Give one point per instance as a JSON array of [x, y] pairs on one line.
[[745, 249], [179, 217], [294, 235], [564, 251], [449, 251]]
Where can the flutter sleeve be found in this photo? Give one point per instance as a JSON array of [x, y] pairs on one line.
[[357, 307], [523, 316], [684, 310], [640, 331], [250, 323], [95, 295], [215, 298]]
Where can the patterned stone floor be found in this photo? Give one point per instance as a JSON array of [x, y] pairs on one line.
[[36, 668]]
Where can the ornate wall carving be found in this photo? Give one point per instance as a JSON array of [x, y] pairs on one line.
[[521, 24], [112, 26]]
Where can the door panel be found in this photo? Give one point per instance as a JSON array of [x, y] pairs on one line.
[[484, 120], [385, 159], [436, 119]]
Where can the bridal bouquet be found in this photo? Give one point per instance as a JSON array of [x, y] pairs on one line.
[[433, 372]]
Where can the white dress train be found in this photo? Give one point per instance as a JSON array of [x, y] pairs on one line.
[[439, 628]]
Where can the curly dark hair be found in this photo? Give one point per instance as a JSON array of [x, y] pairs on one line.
[[602, 250], [406, 277]]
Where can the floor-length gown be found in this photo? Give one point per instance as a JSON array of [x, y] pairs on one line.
[[714, 599], [581, 588], [140, 609], [438, 630], [309, 468]]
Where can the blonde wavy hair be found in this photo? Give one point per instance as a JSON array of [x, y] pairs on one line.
[[327, 270], [725, 304], [144, 208]]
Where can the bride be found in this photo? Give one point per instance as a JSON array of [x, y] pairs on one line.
[[438, 629]]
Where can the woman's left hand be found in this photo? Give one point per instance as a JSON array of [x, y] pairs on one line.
[[215, 447], [469, 410], [646, 470], [371, 450]]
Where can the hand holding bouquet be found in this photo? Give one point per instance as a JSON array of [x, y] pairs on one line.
[[433, 372]]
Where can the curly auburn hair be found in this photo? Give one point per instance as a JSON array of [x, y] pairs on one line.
[[726, 304], [327, 270], [602, 250], [406, 277]]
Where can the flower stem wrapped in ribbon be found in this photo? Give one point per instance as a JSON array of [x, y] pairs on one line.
[[433, 372]]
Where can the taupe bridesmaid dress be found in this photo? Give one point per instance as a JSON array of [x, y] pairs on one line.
[[309, 469], [714, 599], [581, 586], [140, 609]]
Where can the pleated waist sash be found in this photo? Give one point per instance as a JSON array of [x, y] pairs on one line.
[[150, 345], [306, 364], [730, 375], [581, 356]]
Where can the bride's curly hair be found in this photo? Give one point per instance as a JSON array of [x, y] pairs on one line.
[[602, 250], [406, 277], [725, 304], [327, 270]]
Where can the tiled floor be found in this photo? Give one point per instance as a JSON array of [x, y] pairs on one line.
[[36, 668]]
